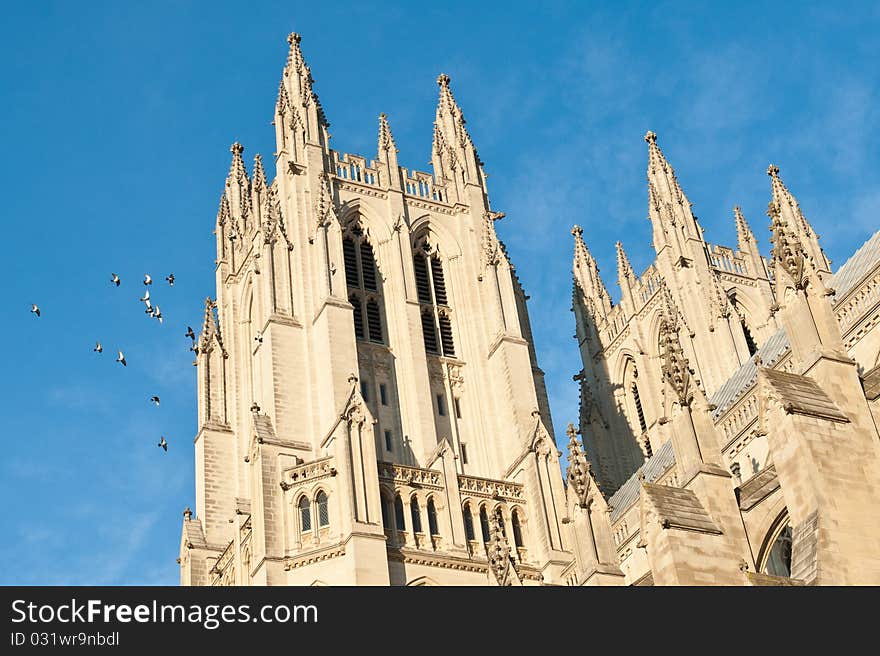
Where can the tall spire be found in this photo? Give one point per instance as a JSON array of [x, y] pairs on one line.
[[300, 91], [238, 188], [454, 155], [668, 207], [790, 212], [387, 147], [586, 274], [745, 238], [674, 364], [624, 268]]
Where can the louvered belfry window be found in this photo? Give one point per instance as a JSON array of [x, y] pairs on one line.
[[362, 280], [431, 291]]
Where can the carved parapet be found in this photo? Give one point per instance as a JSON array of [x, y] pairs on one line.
[[491, 489], [412, 476], [308, 472]]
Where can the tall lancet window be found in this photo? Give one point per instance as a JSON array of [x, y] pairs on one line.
[[431, 290], [362, 280]]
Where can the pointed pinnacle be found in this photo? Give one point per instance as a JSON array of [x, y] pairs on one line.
[[624, 268], [259, 174], [386, 138], [743, 231]]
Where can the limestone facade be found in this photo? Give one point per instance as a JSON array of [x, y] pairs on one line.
[[371, 410]]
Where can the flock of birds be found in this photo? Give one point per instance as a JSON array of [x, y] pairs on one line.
[[151, 310]]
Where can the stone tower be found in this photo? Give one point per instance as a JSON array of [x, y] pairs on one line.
[[371, 410]]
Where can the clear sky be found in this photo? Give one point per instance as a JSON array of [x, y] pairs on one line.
[[117, 120]]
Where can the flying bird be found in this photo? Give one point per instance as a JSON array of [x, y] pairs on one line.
[[155, 399], [157, 313], [163, 443], [147, 279], [98, 348], [35, 309], [146, 297], [121, 358], [115, 279], [170, 279], [190, 333]]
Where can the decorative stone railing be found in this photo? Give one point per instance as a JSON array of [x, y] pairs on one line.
[[308, 472], [725, 260], [856, 304], [491, 489], [423, 185], [649, 284], [354, 168], [412, 476]]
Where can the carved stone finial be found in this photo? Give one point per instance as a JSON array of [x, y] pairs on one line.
[[352, 378], [641, 476], [255, 408], [577, 231], [236, 148], [443, 80], [187, 514], [293, 37], [578, 474], [773, 170], [651, 136]]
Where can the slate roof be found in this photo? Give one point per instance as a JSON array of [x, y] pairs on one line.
[[677, 507], [654, 468], [848, 276], [844, 280]]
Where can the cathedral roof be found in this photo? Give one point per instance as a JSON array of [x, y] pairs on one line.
[[848, 276], [654, 467]]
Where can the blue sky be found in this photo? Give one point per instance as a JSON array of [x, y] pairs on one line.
[[117, 121]]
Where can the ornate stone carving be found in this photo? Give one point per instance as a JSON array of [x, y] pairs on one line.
[[579, 474]]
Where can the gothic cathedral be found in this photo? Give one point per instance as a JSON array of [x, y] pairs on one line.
[[371, 410]]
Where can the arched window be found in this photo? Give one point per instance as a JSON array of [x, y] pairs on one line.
[[399, 519], [416, 513], [431, 291], [517, 529], [305, 515], [634, 400], [750, 341], [468, 522], [484, 524], [777, 554], [386, 513], [432, 518], [362, 279], [322, 509]]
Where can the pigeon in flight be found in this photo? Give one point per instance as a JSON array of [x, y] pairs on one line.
[[146, 297], [170, 279], [115, 279], [190, 333], [35, 309], [155, 399], [121, 358], [98, 348], [157, 313], [147, 279], [163, 443]]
